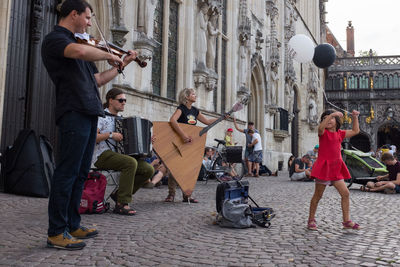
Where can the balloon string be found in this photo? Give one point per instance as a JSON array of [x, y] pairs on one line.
[[333, 105]]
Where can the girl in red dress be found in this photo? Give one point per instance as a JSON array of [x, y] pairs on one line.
[[329, 168]]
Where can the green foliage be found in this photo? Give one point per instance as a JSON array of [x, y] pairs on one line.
[[369, 53]]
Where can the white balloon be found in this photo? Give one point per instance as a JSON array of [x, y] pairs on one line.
[[301, 48]]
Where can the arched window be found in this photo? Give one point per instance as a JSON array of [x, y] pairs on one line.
[[396, 84], [352, 81], [385, 82], [364, 82], [390, 81], [376, 82]]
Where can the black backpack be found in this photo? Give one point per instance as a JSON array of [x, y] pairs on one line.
[[28, 166]]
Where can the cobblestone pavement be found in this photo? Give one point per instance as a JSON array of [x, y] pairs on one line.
[[179, 234]]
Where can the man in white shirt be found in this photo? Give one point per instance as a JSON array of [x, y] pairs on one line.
[[256, 156]]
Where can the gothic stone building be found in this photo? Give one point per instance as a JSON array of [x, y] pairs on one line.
[[370, 85], [225, 49]]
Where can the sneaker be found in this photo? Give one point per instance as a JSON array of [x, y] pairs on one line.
[[83, 233], [65, 241]]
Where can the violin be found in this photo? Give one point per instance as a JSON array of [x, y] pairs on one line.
[[110, 47]]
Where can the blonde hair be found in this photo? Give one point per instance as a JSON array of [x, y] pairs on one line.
[[184, 94]]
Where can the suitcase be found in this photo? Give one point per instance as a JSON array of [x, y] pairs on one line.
[[236, 191]]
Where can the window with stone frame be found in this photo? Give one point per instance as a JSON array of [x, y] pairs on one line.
[[352, 82], [385, 82], [157, 54], [172, 49], [393, 81], [396, 81], [364, 81], [165, 69]]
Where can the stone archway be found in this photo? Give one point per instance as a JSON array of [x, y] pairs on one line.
[[256, 109], [388, 133], [361, 141]]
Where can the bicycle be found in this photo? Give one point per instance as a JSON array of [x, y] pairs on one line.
[[226, 163]]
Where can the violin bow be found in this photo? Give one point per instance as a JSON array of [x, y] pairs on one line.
[[105, 42]]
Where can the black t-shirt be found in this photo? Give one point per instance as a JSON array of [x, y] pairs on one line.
[[76, 86], [188, 116], [293, 167], [393, 171]]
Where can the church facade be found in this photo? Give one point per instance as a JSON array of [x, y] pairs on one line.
[[226, 50]]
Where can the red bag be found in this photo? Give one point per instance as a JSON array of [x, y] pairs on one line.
[[93, 194]]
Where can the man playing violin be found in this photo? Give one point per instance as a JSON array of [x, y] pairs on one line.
[[78, 105]]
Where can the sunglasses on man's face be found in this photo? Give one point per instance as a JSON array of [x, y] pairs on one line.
[[121, 100]]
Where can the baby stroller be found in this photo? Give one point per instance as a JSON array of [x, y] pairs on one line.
[[362, 167]]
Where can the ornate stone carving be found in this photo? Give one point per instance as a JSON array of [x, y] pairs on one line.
[[259, 40], [144, 46], [387, 112], [244, 22], [290, 17], [312, 113], [118, 29], [313, 81], [201, 37], [243, 65], [205, 40], [322, 16], [289, 92], [211, 40], [145, 16], [37, 24]]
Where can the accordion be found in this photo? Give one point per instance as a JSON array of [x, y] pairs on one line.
[[136, 136]]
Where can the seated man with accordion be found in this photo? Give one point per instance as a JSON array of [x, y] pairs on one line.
[[134, 172]]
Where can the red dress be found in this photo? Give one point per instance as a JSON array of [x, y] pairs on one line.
[[329, 165]]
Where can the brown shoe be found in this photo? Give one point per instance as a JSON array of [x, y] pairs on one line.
[[169, 198], [65, 241], [83, 233]]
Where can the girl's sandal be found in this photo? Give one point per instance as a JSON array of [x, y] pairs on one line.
[[169, 198], [364, 188], [351, 225], [121, 210], [312, 225]]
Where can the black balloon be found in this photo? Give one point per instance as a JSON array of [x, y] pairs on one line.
[[324, 55]]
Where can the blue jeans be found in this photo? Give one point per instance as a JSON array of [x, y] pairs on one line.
[[76, 141]]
